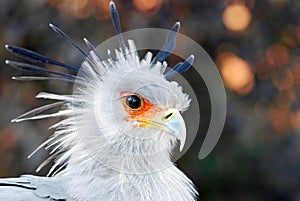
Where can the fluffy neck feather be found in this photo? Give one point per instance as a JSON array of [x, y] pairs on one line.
[[90, 178]]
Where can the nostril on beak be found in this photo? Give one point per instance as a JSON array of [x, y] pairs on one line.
[[168, 116]]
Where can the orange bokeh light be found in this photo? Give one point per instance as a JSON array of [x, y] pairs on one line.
[[237, 73], [277, 55], [236, 17], [148, 5]]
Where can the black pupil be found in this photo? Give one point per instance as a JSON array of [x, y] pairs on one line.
[[133, 101]]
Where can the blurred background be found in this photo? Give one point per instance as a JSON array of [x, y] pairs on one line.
[[256, 46]]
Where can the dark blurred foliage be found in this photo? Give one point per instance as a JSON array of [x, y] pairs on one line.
[[256, 46]]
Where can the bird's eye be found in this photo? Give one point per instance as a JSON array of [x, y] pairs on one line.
[[134, 102]]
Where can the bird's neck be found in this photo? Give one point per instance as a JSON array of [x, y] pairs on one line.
[[122, 154], [101, 183], [125, 162], [119, 176]]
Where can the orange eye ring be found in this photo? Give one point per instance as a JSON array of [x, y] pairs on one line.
[[135, 104]]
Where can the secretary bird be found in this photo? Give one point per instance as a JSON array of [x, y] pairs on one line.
[[118, 128]]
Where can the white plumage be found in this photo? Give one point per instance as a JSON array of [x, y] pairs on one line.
[[118, 131]]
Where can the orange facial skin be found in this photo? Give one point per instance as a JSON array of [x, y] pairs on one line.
[[147, 110]]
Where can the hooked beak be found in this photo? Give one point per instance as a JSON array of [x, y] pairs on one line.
[[169, 121]]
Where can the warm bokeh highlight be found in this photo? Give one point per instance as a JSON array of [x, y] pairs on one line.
[[236, 17], [150, 6], [236, 72]]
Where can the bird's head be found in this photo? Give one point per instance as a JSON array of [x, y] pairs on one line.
[[144, 105], [137, 111]]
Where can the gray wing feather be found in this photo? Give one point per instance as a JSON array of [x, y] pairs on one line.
[[31, 188]]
